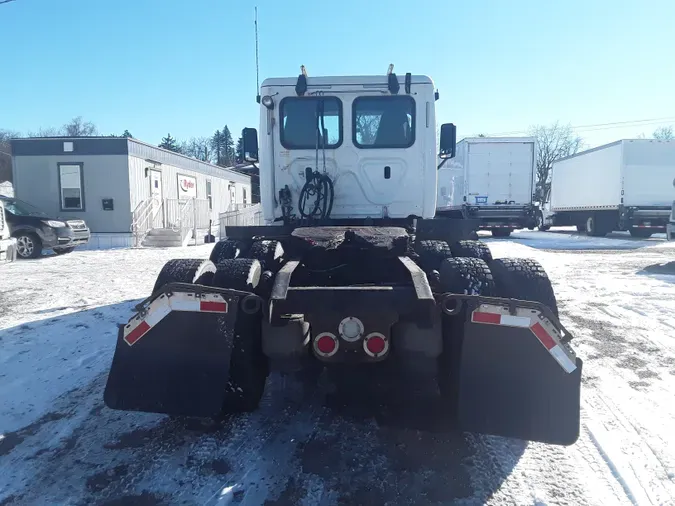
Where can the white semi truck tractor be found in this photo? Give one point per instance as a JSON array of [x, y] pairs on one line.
[[352, 271]]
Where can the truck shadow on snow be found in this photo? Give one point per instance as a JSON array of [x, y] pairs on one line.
[[572, 240], [305, 444]]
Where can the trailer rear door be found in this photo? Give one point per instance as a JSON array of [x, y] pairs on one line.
[[648, 173], [500, 172]]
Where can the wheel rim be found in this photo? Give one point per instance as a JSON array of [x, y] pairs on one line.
[[25, 246]]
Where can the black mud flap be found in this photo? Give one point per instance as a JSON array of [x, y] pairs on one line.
[[512, 384], [179, 365]]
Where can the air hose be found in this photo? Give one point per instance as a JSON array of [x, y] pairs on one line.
[[319, 188]]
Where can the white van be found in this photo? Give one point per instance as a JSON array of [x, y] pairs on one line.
[[7, 243]]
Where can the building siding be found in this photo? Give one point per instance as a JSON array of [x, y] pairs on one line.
[[36, 180], [107, 174], [220, 183]]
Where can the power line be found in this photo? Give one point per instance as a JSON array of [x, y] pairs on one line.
[[5, 1], [603, 126]]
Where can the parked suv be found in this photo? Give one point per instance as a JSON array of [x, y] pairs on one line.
[[34, 230]]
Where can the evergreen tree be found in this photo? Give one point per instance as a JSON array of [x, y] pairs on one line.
[[240, 150], [127, 134], [228, 156], [170, 143], [216, 147]]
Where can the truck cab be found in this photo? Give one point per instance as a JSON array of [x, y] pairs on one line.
[[374, 138]]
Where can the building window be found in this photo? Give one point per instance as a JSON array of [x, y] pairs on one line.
[[384, 122], [67, 147], [71, 187], [302, 118], [208, 193], [244, 197]]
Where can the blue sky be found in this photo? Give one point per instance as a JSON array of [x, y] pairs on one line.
[[187, 67]]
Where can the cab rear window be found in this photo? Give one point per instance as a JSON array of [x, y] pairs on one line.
[[303, 119], [383, 122]]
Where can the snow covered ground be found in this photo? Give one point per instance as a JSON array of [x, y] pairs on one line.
[[60, 445]]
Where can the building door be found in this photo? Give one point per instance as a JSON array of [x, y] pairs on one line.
[[156, 196], [233, 198]]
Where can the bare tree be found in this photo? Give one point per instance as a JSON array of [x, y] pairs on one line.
[[553, 142], [664, 133], [46, 132], [6, 154], [77, 127], [197, 147], [366, 128]]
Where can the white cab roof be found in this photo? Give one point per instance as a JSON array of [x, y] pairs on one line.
[[345, 80]]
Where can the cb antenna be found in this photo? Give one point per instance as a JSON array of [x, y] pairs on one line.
[[257, 72]]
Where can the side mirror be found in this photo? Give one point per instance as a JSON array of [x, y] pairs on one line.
[[448, 143], [249, 137]]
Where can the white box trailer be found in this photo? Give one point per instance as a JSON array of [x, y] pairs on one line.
[[625, 185], [491, 179]]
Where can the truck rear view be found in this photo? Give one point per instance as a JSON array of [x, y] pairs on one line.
[[490, 179]]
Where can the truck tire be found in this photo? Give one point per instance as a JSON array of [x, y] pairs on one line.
[[185, 271], [470, 276], [227, 249], [540, 223], [643, 233], [432, 253], [239, 274], [501, 232], [523, 279], [28, 245], [269, 253], [249, 367], [595, 227], [471, 249]]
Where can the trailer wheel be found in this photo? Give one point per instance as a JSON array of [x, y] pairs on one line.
[[471, 249], [432, 253], [227, 249], [501, 232], [248, 365], [238, 273], [269, 253], [185, 271], [643, 233], [523, 279]]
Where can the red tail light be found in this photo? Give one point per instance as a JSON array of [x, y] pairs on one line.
[[375, 344], [326, 344]]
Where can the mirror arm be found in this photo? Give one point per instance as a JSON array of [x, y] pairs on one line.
[[442, 163]]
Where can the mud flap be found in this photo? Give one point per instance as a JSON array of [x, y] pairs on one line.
[[516, 380], [174, 361]]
